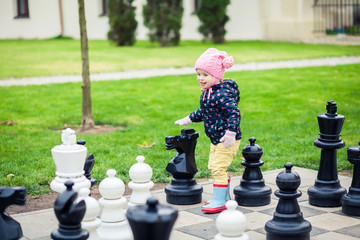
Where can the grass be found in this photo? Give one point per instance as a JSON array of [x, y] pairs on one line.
[[28, 58], [278, 107]]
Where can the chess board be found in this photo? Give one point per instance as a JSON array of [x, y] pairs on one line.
[[192, 224], [327, 223]]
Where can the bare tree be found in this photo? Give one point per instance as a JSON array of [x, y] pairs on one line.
[[87, 117]]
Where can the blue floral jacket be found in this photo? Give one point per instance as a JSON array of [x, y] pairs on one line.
[[219, 110]]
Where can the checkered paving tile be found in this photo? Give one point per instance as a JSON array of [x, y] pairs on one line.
[[206, 230], [193, 224], [327, 223], [353, 231], [198, 211]]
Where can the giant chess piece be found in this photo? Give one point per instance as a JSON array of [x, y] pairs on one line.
[[252, 190], [183, 189], [351, 201], [89, 164], [231, 223], [113, 222], [69, 158], [90, 221], [69, 214], [288, 221], [9, 228], [327, 191], [140, 174], [152, 221]]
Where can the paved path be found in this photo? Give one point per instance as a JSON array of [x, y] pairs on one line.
[[192, 224], [132, 74]]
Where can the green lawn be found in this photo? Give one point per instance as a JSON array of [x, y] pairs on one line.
[[25, 58], [278, 107]]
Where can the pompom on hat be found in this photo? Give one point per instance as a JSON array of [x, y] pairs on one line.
[[214, 62]]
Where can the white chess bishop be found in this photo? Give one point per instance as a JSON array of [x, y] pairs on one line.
[[140, 174], [90, 221], [114, 225], [69, 158], [231, 223]]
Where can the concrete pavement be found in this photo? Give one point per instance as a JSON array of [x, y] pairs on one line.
[[156, 72]]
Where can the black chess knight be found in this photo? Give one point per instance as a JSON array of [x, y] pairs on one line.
[[69, 214], [89, 164], [183, 189], [9, 228]]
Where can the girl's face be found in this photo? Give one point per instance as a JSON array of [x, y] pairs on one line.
[[204, 78]]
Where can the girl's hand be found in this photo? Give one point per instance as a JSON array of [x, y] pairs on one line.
[[183, 121], [228, 139]]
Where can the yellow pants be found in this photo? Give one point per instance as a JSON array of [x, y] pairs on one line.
[[219, 160]]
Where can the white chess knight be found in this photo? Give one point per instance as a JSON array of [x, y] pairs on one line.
[[231, 223], [90, 221], [140, 174], [69, 158], [114, 225]]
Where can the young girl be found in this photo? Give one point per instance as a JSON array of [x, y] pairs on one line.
[[221, 116]]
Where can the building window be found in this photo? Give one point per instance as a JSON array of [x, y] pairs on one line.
[[104, 7], [22, 8]]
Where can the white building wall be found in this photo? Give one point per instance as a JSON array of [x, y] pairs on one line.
[[289, 20], [141, 30], [71, 18], [245, 20], [190, 22], [43, 21], [249, 20], [97, 26]]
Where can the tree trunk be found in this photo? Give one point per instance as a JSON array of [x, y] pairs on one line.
[[87, 117]]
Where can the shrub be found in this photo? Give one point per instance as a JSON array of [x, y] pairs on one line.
[[122, 22], [212, 15], [163, 19]]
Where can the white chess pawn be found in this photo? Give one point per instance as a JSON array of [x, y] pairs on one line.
[[90, 221], [231, 223], [113, 222], [140, 174]]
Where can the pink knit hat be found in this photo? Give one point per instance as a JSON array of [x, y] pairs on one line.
[[214, 62]]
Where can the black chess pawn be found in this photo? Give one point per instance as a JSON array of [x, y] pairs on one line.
[[252, 190], [288, 221], [152, 221], [327, 191], [9, 228], [89, 164], [69, 214], [183, 189], [351, 201]]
